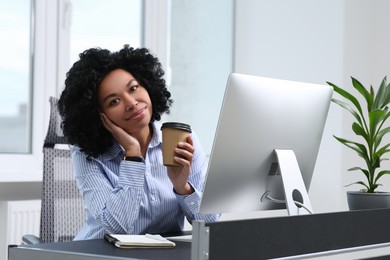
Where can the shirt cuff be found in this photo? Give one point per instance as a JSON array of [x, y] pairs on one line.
[[191, 202], [132, 174]]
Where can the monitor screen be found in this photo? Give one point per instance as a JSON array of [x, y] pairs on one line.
[[258, 116]]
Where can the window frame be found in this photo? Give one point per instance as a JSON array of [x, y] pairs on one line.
[[28, 167], [156, 31]]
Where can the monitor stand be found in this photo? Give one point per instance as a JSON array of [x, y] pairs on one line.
[[297, 198]]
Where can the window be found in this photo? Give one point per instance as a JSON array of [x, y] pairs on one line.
[[105, 24], [96, 23], [28, 62], [201, 59], [27, 83], [15, 76]]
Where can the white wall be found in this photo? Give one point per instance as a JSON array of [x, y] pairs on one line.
[[299, 40], [318, 41]]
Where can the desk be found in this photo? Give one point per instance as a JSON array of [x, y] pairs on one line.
[[340, 235], [99, 249], [96, 249]]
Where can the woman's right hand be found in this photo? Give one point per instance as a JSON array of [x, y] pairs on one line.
[[129, 143]]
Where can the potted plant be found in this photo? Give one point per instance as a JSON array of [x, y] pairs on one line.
[[370, 127]]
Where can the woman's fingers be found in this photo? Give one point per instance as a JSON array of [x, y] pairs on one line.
[[106, 122]]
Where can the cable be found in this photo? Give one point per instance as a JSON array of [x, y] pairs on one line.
[[297, 203], [268, 197]]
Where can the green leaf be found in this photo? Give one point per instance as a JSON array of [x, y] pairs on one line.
[[381, 133], [375, 162], [348, 96], [380, 174], [365, 172], [382, 150], [365, 93], [358, 182], [375, 117], [358, 130], [383, 95], [379, 136], [386, 109], [386, 115], [359, 148], [347, 107], [386, 98]]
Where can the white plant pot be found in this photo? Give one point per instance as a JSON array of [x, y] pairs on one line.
[[358, 200]]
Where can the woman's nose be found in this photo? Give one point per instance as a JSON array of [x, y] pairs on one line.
[[130, 103]]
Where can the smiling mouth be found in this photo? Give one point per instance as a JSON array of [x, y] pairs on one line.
[[134, 115]]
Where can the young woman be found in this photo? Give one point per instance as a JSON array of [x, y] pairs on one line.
[[110, 107]]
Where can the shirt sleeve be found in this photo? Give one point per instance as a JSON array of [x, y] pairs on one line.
[[190, 203], [112, 199]]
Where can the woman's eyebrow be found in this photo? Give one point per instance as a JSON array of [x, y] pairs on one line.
[[108, 96], [114, 94], [129, 83]]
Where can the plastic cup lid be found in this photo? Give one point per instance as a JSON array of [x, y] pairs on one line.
[[176, 125]]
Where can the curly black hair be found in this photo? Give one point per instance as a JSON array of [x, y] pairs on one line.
[[78, 104]]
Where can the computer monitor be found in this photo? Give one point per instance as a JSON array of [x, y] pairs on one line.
[[265, 146]]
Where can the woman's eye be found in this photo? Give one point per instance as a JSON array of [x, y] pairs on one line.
[[133, 88], [113, 102]]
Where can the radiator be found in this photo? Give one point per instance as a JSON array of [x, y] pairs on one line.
[[23, 218]]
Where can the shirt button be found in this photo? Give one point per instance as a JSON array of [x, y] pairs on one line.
[[192, 203]]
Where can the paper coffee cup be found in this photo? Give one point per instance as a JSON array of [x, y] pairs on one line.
[[172, 134]]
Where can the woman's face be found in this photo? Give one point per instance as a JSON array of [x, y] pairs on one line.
[[124, 101]]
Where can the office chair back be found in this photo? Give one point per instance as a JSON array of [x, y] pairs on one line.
[[62, 213]]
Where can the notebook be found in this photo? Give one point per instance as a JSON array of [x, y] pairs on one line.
[[139, 241]]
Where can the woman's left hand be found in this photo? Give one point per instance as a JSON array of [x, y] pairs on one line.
[[179, 175]]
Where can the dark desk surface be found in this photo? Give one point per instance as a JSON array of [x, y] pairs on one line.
[[96, 249]]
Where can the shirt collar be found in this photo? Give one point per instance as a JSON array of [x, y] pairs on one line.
[[157, 136]]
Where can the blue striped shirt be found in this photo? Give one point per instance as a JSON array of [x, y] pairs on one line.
[[126, 197]]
